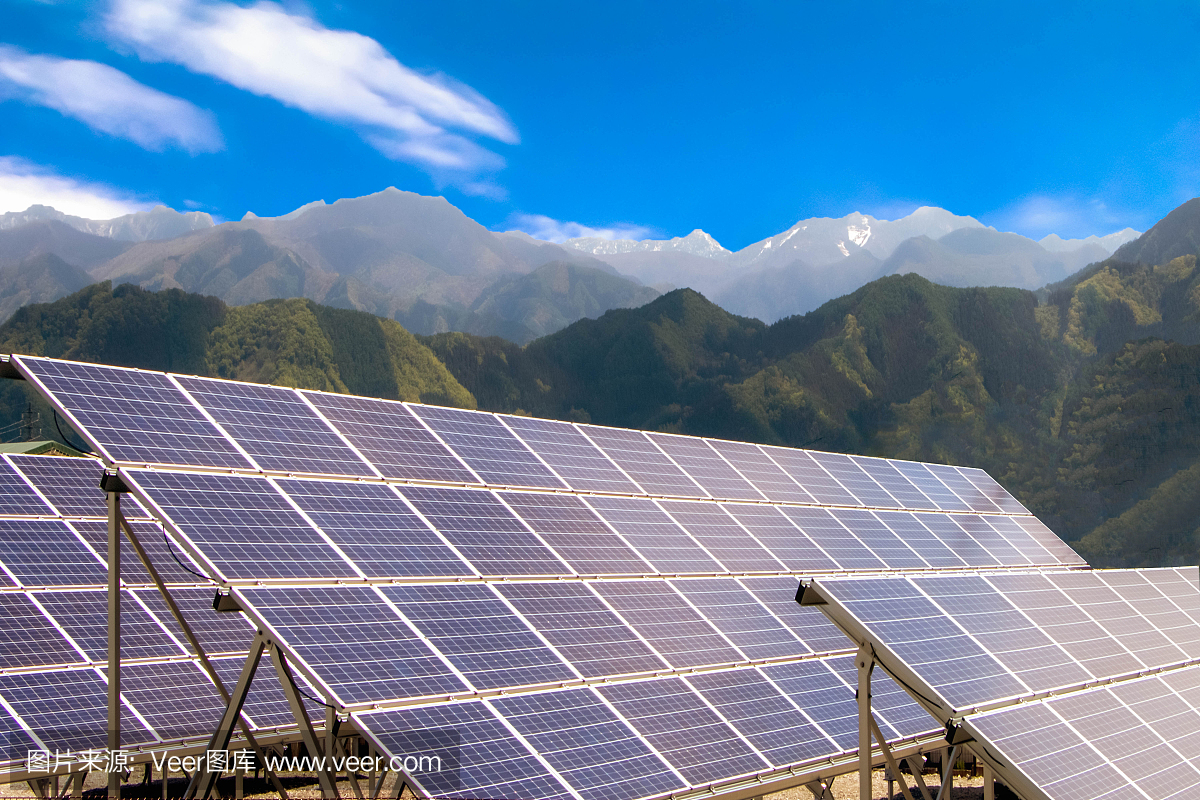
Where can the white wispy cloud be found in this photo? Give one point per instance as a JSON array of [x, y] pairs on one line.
[[552, 230], [338, 75], [1067, 215], [107, 100], [23, 184]]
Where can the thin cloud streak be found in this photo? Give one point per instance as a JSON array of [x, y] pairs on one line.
[[549, 229], [108, 101], [23, 184], [337, 75], [1068, 216]]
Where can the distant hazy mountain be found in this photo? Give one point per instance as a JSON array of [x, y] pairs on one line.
[[39, 278], [84, 250], [698, 243], [1110, 242], [142, 226]]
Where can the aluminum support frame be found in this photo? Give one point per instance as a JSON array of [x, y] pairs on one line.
[[307, 733], [114, 638]]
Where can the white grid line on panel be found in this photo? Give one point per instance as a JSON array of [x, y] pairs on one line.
[[571, 570], [500, 418], [495, 712], [629, 726], [213, 421], [1096, 750], [317, 528], [333, 428], [611, 460], [733, 467], [421, 421]]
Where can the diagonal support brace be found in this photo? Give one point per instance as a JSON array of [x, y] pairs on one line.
[[309, 736], [203, 781]]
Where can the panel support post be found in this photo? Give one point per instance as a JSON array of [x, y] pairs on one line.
[[989, 782], [865, 661], [949, 755], [114, 639], [290, 690]]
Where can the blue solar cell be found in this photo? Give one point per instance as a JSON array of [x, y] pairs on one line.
[[72, 485], [643, 462], [898, 486], [875, 535], [664, 619], [582, 628], [956, 482], [807, 623], [737, 614], [1047, 539], [576, 460], [135, 416], [574, 531], [479, 634], [15, 743], [18, 499], [355, 642], [278, 429], [850, 475], [706, 467], [175, 698], [679, 725], [1000, 549], [588, 745], [992, 490], [834, 538], [813, 686], [28, 638], [375, 528], [909, 529], [83, 614], [961, 543], [781, 538], [478, 754], [223, 632], [391, 438], [157, 549], [48, 553], [762, 714], [898, 715], [654, 535], [244, 525], [722, 536], [1021, 540], [766, 476], [266, 705], [482, 528], [800, 465], [68, 709], [489, 448], [919, 476]]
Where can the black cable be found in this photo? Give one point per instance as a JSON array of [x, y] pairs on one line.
[[911, 690], [66, 441], [171, 550], [310, 697]]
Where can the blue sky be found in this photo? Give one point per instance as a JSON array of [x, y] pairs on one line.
[[624, 118]]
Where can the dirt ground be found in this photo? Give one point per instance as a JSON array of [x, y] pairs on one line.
[[303, 787]]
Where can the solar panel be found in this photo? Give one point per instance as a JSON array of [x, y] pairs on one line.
[[807, 623], [363, 650], [489, 448], [480, 755], [850, 475], [391, 438], [47, 553], [909, 528], [883, 543], [643, 462], [784, 540], [16, 496], [574, 531], [588, 744], [684, 729], [737, 614], [68, 709], [244, 525], [668, 623], [706, 467], [480, 635], [162, 554], [133, 416], [836, 540], [800, 465], [961, 543], [72, 485], [28, 637], [278, 429], [375, 528], [654, 535], [763, 473], [581, 627], [223, 632], [175, 698], [1000, 549], [15, 742], [956, 482], [895, 710], [920, 477], [482, 528], [813, 686], [569, 453], [992, 490], [83, 614], [266, 706], [722, 536], [894, 483]]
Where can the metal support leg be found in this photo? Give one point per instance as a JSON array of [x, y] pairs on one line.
[[948, 774], [203, 780], [114, 638], [891, 761], [324, 777], [865, 661], [989, 783], [914, 764], [77, 786]]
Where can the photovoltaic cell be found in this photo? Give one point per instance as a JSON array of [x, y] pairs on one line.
[[813, 686], [275, 427], [910, 530], [356, 642], [961, 543], [762, 714], [17, 499], [1002, 552], [850, 475], [807, 623], [575, 532], [484, 531], [72, 485], [667, 622], [15, 743], [588, 745], [654, 535], [875, 535], [737, 614], [643, 462], [834, 538], [136, 416], [489, 448], [1047, 539], [706, 467], [992, 490], [898, 486], [895, 709], [244, 526], [809, 474], [722, 536], [930, 486], [1021, 540], [175, 698], [218, 632], [956, 482], [48, 553], [68, 709], [151, 538], [762, 472], [479, 634], [375, 528], [266, 705], [84, 616], [579, 462], [391, 438], [582, 628], [28, 638], [680, 726], [781, 538], [491, 761]]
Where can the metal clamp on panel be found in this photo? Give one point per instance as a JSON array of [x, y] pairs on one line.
[[110, 481], [807, 595], [955, 735], [225, 602]]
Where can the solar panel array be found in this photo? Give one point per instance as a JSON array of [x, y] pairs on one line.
[[53, 623], [1083, 684], [595, 612]]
